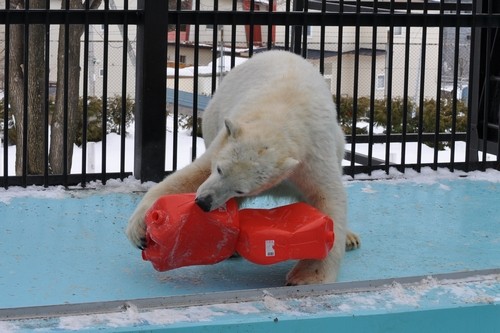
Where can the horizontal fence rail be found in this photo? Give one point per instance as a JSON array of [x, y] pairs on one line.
[[414, 82]]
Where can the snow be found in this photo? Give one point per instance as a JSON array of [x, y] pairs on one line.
[[226, 67], [411, 152], [132, 316], [130, 184], [240, 308], [184, 149], [94, 163], [427, 176], [394, 297], [113, 142], [275, 305], [8, 327]]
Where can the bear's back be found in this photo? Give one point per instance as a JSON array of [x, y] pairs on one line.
[[269, 73], [269, 80]]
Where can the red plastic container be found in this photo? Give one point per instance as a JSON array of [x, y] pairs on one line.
[[179, 233], [296, 231]]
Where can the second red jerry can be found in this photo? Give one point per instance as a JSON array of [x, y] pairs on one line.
[[179, 233], [296, 231]]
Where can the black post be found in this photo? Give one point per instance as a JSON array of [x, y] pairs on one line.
[[298, 6], [484, 88], [151, 99], [474, 89]]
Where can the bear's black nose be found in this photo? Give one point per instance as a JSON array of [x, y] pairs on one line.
[[204, 203]]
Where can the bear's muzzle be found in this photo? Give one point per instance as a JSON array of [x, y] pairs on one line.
[[205, 203]]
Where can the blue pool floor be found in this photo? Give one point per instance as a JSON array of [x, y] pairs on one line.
[[71, 248]]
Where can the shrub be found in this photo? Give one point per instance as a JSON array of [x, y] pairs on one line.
[[95, 115], [412, 110], [186, 122]]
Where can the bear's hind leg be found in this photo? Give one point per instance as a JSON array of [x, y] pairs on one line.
[[320, 271], [328, 195]]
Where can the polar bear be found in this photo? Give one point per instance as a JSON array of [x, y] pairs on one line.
[[272, 120]]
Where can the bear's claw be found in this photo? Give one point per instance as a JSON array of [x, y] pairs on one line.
[[352, 241], [136, 233], [143, 244]]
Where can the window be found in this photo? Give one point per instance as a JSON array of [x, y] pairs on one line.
[[380, 84], [398, 31], [182, 59], [101, 72]]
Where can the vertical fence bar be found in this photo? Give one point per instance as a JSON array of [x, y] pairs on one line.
[[85, 90], [25, 98], [270, 28], [214, 49], [322, 36], [177, 57], [305, 29], [486, 88], [6, 98], [105, 65], [251, 34], [454, 90], [355, 88], [287, 28], [124, 99], [421, 107], [66, 93], [404, 120], [495, 77], [195, 82], [390, 61], [437, 124], [298, 6], [150, 112], [471, 152], [340, 39], [46, 100], [372, 86], [233, 35]]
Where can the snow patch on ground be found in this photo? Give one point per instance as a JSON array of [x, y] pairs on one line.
[[427, 176], [7, 327], [429, 292], [133, 317], [128, 185]]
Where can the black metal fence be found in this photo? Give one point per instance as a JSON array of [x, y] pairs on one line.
[[416, 82]]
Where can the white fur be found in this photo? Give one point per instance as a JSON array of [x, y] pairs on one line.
[[272, 119]]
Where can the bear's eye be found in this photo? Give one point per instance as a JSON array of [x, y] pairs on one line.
[[219, 170], [239, 192]]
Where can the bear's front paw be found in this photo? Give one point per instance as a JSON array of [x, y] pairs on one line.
[[310, 272], [136, 229], [352, 241]]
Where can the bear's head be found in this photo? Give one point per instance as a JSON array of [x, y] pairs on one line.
[[247, 164]]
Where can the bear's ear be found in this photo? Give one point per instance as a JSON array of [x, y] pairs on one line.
[[289, 164], [231, 128]]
